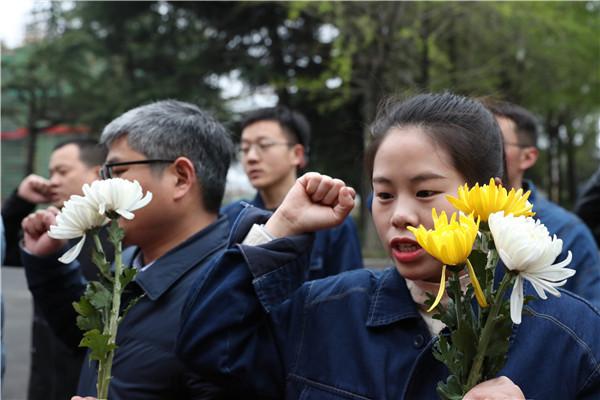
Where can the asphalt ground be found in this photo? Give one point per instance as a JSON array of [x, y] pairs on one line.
[[16, 338]]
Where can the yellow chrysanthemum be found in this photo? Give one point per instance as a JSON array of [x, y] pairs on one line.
[[488, 199], [451, 242]]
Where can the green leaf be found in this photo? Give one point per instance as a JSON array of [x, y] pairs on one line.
[[84, 307], [449, 355], [132, 303], [465, 340], [127, 276], [90, 322], [451, 389], [115, 234], [88, 318], [103, 265], [100, 297], [98, 345]]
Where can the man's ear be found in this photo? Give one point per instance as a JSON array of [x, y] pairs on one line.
[[529, 156], [300, 155], [95, 172], [184, 175], [498, 181]]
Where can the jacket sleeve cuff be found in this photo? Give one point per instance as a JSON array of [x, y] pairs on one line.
[[41, 270], [278, 267]]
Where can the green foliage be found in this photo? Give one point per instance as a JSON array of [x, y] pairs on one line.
[[99, 296], [475, 344], [335, 61], [115, 234], [95, 308], [98, 343], [89, 318], [449, 389]]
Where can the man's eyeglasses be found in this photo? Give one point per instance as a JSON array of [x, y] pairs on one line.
[[107, 173], [261, 147]]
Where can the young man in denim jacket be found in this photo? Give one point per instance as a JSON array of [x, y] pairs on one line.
[[274, 146]]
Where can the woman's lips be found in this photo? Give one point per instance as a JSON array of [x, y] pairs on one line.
[[405, 250]]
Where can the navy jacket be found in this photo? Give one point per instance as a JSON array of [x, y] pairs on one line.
[[358, 335], [334, 250], [577, 238], [588, 205], [145, 365]]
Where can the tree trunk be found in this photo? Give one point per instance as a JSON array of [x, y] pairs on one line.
[[31, 147], [571, 170], [552, 127], [424, 33]]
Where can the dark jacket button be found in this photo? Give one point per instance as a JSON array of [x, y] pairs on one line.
[[418, 341]]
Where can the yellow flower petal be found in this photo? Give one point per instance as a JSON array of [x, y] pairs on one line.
[[476, 286], [440, 293], [450, 241], [488, 199]]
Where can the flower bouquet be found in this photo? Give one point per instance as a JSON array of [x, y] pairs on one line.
[[493, 224], [100, 310]]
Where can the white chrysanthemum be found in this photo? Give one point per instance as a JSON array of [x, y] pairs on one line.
[[117, 195], [74, 220], [525, 246]]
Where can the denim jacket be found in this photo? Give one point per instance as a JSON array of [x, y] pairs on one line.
[[145, 366], [357, 335], [334, 250]]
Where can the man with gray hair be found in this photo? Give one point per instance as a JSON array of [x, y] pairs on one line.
[[180, 154]]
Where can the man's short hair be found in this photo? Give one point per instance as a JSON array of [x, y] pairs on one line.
[[91, 153], [525, 122], [291, 121], [169, 129]]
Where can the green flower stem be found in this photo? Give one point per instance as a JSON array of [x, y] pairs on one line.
[[104, 371], [98, 243], [456, 290], [486, 334]]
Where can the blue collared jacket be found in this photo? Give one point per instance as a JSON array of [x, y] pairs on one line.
[[334, 250], [357, 335], [145, 365], [577, 238]]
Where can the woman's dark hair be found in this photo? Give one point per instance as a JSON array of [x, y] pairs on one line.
[[460, 125]]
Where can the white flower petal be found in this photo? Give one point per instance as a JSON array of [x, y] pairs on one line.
[[516, 301], [83, 213], [525, 246], [143, 202], [73, 252], [117, 195], [63, 232], [125, 214]]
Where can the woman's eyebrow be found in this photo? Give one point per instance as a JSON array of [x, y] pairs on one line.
[[381, 179], [426, 176]]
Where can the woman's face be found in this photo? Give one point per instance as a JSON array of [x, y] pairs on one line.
[[410, 177]]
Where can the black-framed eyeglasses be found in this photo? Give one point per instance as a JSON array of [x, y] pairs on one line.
[[106, 170]]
